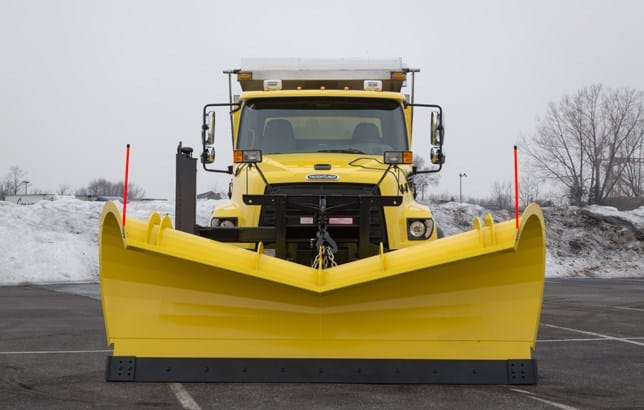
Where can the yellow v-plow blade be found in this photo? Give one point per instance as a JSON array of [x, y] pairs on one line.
[[474, 298]]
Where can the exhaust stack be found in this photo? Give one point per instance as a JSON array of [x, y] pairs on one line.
[[186, 190]]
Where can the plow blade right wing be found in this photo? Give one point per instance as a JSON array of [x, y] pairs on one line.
[[462, 309]]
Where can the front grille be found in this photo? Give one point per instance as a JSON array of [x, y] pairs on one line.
[[344, 195]]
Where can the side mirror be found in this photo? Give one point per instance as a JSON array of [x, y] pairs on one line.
[[436, 128], [208, 155], [436, 156], [210, 140]]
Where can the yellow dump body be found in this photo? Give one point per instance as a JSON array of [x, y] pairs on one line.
[[471, 296]]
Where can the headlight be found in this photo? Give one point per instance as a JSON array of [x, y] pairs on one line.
[[223, 222], [419, 228], [227, 223]]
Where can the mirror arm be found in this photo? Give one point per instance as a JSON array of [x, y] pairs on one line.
[[204, 128], [427, 171], [440, 129], [228, 171], [204, 117], [440, 109]]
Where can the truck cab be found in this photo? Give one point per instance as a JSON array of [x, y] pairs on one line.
[[323, 171]]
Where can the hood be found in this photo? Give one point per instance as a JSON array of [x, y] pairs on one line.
[[293, 168]]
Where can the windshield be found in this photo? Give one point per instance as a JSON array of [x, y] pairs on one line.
[[351, 125]]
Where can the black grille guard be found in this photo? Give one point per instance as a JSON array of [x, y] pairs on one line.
[[277, 233]]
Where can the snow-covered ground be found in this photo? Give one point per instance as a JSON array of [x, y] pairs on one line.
[[57, 241]]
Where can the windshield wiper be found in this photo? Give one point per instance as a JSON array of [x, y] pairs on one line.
[[343, 151]]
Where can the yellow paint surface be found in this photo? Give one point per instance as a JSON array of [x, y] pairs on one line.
[[476, 295]]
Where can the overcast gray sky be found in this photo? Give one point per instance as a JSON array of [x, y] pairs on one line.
[[80, 79]]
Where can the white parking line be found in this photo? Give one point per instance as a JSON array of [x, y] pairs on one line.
[[57, 352], [185, 399], [550, 402], [553, 403], [555, 301], [587, 339], [629, 308], [571, 340], [627, 279], [619, 339]]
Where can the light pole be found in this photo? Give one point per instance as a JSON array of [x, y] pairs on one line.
[[460, 186]]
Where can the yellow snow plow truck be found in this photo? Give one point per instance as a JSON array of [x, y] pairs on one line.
[[322, 267]]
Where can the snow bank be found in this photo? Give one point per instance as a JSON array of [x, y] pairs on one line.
[[48, 241], [57, 241], [597, 241], [634, 219], [456, 217]]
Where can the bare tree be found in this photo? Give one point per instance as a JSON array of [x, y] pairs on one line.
[[14, 179], [81, 192], [133, 191], [586, 142], [421, 182], [64, 189], [627, 177], [502, 194], [632, 181], [101, 187], [529, 189], [104, 187]]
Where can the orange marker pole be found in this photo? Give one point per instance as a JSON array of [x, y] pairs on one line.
[[127, 174], [516, 187]]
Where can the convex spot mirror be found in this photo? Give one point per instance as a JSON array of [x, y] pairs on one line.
[[208, 155], [436, 155], [436, 127]]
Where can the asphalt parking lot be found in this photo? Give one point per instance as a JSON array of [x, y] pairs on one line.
[[590, 352]]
